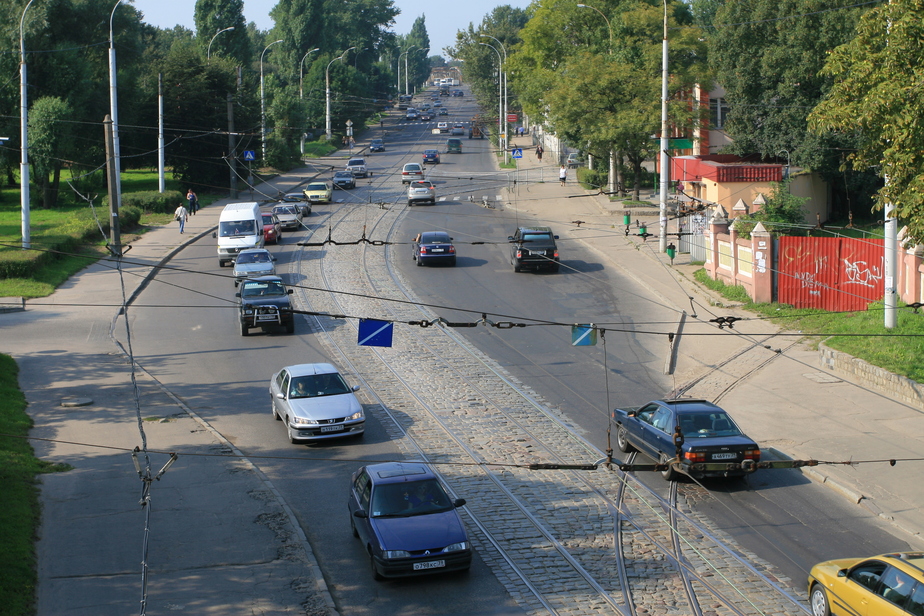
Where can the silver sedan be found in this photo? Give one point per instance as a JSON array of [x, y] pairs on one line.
[[315, 403]]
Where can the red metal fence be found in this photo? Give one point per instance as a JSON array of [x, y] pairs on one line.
[[830, 273]]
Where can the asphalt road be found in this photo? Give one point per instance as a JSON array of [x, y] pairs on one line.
[[224, 377]]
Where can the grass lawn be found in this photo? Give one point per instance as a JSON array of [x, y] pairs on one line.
[[861, 334], [20, 513]]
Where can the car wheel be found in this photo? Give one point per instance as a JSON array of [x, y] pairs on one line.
[[554, 268], [375, 572], [622, 442], [452, 263], [819, 601], [410, 203], [245, 331], [670, 474], [290, 327], [290, 434], [353, 527], [419, 262], [276, 415]]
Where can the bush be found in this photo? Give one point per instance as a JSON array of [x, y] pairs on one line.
[[150, 201], [592, 179]]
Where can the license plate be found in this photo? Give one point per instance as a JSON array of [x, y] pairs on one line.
[[338, 428], [724, 456], [433, 564], [539, 253], [437, 250]]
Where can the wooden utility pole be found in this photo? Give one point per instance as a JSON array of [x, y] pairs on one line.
[[115, 240]]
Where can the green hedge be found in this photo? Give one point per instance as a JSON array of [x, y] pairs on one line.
[[592, 179], [150, 201]]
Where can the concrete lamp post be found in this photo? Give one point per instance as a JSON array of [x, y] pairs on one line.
[[263, 103], [327, 126], [208, 53]]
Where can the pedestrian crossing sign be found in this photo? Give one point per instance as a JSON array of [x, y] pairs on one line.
[[249, 155], [583, 335], [517, 153], [375, 333]]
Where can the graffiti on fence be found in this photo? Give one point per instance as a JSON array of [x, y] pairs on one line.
[[829, 273]]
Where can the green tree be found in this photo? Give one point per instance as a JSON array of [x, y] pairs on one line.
[[50, 134], [877, 97], [213, 16], [782, 211]]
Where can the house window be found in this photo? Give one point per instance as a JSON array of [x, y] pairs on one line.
[[718, 111]]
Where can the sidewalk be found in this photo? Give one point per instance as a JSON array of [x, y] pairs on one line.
[[787, 401], [93, 526]]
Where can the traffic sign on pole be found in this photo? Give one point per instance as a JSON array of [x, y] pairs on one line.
[[517, 153], [583, 335], [375, 333], [249, 155]]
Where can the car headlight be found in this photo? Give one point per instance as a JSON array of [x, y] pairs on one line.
[[304, 421], [455, 547], [356, 415], [396, 554], [248, 310]]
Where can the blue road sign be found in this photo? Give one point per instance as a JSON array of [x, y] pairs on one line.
[[375, 333], [583, 335], [249, 155], [517, 153]]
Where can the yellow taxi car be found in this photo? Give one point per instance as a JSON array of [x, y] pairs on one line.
[[886, 585], [318, 192]]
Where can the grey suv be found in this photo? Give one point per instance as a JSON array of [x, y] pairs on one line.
[[534, 248], [421, 191]]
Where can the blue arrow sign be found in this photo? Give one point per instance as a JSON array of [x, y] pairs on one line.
[[375, 333], [583, 335], [249, 155], [517, 153]]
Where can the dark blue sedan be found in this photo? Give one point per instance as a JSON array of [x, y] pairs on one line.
[[709, 436], [432, 247], [407, 522]]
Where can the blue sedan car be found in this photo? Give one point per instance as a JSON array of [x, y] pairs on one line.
[[709, 436], [406, 521], [432, 247]]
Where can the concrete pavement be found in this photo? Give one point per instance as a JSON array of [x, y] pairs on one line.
[[785, 400]]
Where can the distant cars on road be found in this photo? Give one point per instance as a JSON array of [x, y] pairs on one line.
[[708, 435], [315, 403], [318, 192], [357, 166], [290, 216], [253, 263], [411, 172], [344, 179], [533, 248], [272, 230], [443, 126], [407, 522], [264, 302], [431, 156], [377, 145], [421, 191]]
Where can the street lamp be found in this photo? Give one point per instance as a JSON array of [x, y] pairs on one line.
[[404, 53], [263, 102], [504, 132], [116, 189], [301, 72], [406, 71], [500, 97], [665, 144], [608, 26], [327, 84], [208, 54], [24, 133]]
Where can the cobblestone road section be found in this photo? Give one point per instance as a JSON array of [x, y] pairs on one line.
[[550, 536]]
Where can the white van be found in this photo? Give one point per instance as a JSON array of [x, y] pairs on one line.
[[240, 227]]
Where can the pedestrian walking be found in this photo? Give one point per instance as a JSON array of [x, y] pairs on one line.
[[192, 202], [563, 174], [539, 152], [180, 216]]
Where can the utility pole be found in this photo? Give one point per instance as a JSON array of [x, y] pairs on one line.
[[115, 238], [232, 154], [665, 144]]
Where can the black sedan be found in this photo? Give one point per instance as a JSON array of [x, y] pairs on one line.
[[344, 179], [434, 247], [705, 432]]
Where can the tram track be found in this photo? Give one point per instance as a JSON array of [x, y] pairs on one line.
[[563, 541]]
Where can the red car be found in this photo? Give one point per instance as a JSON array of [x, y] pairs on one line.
[[272, 230]]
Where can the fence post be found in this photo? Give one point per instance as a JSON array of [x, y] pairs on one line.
[[718, 223], [762, 251]]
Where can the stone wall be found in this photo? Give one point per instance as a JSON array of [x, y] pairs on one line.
[[898, 387]]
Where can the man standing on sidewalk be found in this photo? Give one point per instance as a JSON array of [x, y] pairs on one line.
[[180, 216], [563, 174]]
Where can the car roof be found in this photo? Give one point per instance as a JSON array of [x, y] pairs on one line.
[[268, 278], [431, 150], [357, 161], [324, 184], [308, 369], [434, 236], [249, 250], [398, 472], [343, 173], [690, 405], [535, 229], [412, 165]]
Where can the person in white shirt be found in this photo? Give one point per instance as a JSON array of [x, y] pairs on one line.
[[180, 216]]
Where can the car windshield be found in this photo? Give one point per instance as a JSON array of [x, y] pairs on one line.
[[262, 288], [315, 385], [285, 209], [707, 425], [268, 219], [252, 257], [536, 237], [409, 498], [356, 162], [317, 187], [236, 227], [412, 167], [434, 238]]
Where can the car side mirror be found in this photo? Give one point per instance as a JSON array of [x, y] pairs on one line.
[[556, 237], [214, 235], [509, 238], [842, 573], [272, 257], [459, 502], [237, 295], [359, 513], [281, 396], [355, 388], [236, 283], [289, 291], [632, 414]]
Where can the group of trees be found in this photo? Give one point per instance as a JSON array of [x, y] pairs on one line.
[[198, 73], [831, 87]]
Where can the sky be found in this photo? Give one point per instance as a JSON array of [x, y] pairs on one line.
[[443, 17]]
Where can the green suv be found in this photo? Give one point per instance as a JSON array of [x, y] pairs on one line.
[[453, 146]]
